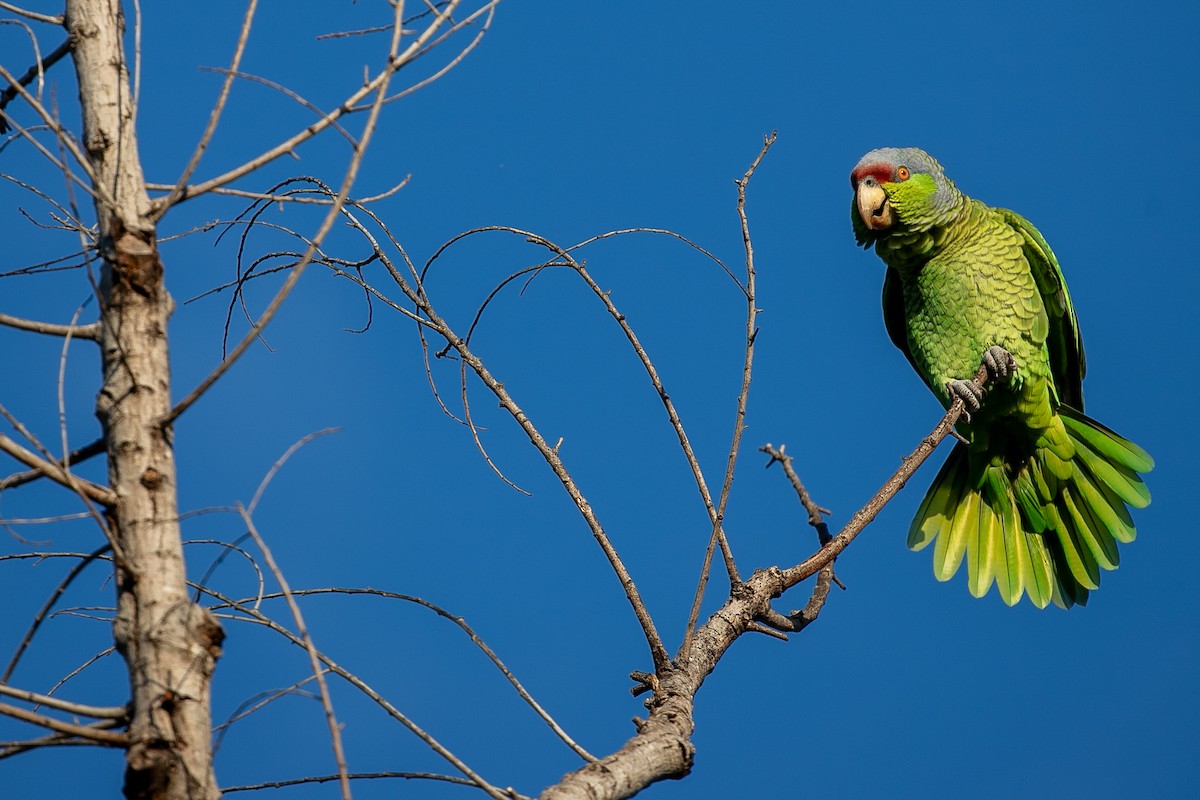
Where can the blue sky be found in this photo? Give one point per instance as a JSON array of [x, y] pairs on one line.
[[573, 119]]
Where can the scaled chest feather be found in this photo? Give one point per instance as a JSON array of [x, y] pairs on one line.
[[965, 290]]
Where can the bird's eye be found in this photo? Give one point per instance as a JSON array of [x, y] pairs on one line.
[[902, 173]]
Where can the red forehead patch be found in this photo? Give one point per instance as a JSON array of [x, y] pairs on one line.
[[880, 171]]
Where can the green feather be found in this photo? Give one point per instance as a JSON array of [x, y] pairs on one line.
[[1039, 575], [1009, 556], [1081, 564], [948, 554], [1093, 534], [982, 550], [1105, 506], [1029, 501], [1113, 447], [1127, 484], [936, 513]]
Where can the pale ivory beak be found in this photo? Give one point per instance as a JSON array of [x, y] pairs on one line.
[[873, 205]]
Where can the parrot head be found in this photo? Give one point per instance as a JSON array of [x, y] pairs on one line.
[[900, 189]]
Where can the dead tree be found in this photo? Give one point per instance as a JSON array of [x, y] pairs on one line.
[[167, 629], [169, 642]]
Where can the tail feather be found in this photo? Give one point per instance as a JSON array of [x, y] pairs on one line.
[[1090, 531], [1028, 498], [952, 546], [1042, 528], [981, 551], [1007, 538], [1039, 578], [1080, 563], [1113, 460], [1113, 446], [940, 504], [1110, 512]]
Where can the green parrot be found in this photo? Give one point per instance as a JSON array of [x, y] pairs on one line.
[[1037, 495]]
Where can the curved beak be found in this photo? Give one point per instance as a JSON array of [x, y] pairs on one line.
[[873, 206]]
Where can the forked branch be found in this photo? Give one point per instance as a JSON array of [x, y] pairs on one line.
[[894, 484], [662, 748]]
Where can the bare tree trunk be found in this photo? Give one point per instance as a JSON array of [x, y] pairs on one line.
[[169, 643]]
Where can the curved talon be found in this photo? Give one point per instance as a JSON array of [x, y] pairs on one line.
[[971, 395], [1000, 363]]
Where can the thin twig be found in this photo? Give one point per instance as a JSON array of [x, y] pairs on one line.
[[557, 465], [283, 459], [63, 137], [275, 198], [108, 651], [806, 616], [62, 396], [214, 116], [292, 95], [815, 512], [376, 87], [90, 493], [246, 513], [379, 87], [35, 71], [44, 611], [490, 10], [431, 776], [335, 732], [257, 617], [257, 703], [230, 547], [717, 537], [415, 292], [469, 631]]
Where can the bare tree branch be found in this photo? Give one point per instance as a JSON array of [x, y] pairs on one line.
[[33, 15], [215, 115], [825, 578], [335, 733], [379, 88], [13, 748], [57, 473], [61, 134], [90, 331], [250, 614], [75, 457], [718, 533], [370, 88], [354, 776], [99, 712], [92, 734], [467, 629], [44, 611], [35, 71], [894, 484]]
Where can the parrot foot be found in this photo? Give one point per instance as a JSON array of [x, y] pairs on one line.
[[1000, 363], [1001, 367], [969, 393]]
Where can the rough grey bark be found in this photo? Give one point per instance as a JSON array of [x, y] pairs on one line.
[[662, 748], [169, 643]]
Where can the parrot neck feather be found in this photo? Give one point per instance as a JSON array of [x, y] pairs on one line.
[[922, 237]]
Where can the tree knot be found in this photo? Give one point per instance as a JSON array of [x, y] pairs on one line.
[[133, 256]]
